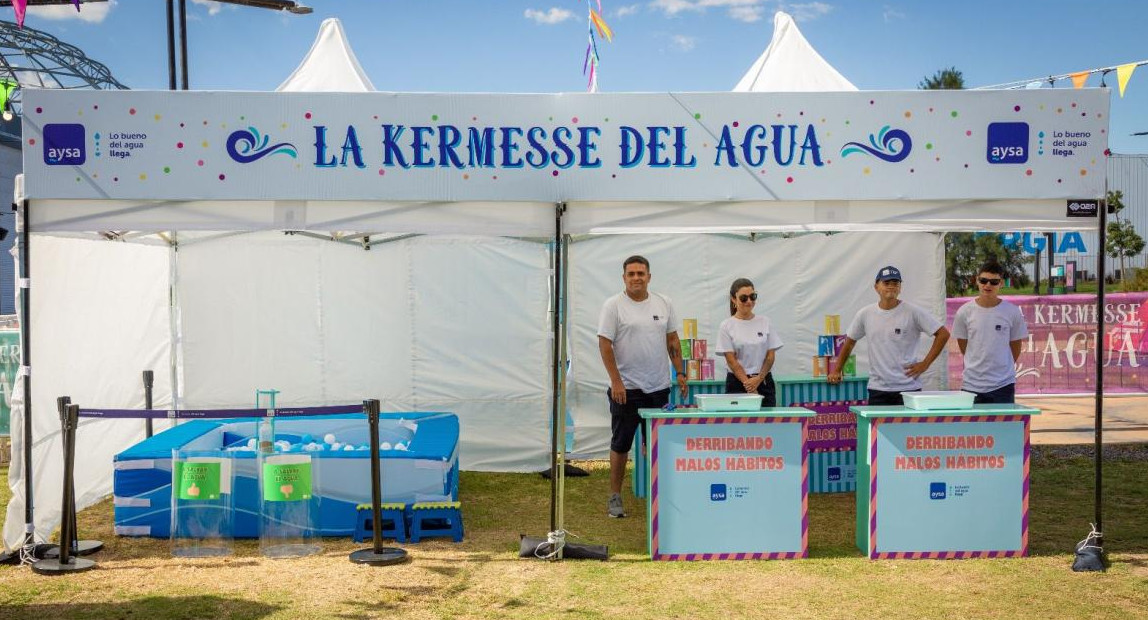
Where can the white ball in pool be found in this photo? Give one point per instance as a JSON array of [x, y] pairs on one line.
[[401, 446], [329, 438], [348, 448], [251, 443], [364, 447], [336, 446], [385, 445]]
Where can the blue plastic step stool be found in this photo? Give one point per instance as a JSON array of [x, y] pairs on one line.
[[394, 522], [436, 519]]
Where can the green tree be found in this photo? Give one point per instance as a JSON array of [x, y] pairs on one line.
[[964, 253], [945, 79], [1122, 241]]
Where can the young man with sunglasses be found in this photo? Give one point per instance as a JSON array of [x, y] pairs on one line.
[[894, 328], [638, 340], [989, 332]]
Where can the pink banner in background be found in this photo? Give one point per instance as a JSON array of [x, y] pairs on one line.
[[1059, 356]]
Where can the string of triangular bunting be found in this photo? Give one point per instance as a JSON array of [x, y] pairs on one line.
[[1078, 78], [594, 22], [20, 7]]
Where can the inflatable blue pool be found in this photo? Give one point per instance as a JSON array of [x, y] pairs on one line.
[[419, 464]]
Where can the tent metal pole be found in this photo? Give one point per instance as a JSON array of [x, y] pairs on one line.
[[1098, 433], [563, 369], [555, 322], [176, 342], [26, 356]]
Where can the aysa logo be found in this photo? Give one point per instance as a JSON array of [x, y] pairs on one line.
[[64, 144], [718, 493], [938, 490], [1007, 143]]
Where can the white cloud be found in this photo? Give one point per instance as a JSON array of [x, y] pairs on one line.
[[747, 14], [553, 16], [683, 42], [94, 13], [743, 10], [630, 9], [891, 13], [673, 7], [807, 11], [213, 8]]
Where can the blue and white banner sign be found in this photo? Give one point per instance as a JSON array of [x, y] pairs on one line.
[[912, 145]]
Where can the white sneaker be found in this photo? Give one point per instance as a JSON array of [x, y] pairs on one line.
[[614, 506]]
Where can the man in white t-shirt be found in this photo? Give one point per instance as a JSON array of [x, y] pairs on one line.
[[894, 328], [638, 341], [989, 332]]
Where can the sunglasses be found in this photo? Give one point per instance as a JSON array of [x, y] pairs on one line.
[[745, 298], [992, 281]]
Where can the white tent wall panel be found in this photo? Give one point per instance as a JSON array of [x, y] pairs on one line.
[[800, 280], [455, 324], [250, 319], [480, 315], [100, 317], [366, 323]]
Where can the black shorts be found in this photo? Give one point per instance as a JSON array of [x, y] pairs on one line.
[[767, 389], [624, 419]]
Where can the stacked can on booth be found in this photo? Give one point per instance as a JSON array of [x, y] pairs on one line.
[[829, 346], [695, 352]]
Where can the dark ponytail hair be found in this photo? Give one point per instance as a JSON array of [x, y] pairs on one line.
[[737, 285]]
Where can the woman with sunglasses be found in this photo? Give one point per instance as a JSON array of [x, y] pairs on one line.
[[749, 343]]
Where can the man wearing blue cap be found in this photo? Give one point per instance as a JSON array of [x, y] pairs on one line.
[[894, 328]]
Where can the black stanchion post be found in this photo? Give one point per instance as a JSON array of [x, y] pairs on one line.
[[377, 555], [66, 562], [148, 381], [78, 547]]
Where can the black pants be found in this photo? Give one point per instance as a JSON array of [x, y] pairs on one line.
[[1002, 395], [881, 397], [767, 389]]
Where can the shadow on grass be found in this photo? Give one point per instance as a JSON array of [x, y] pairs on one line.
[[498, 507], [168, 607]]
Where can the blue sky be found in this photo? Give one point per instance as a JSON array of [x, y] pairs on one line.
[[659, 45]]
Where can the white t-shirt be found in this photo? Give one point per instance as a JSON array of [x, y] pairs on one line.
[[894, 336], [988, 356], [638, 330], [748, 340]]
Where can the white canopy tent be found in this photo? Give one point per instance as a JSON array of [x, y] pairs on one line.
[[329, 66], [790, 64], [336, 317]]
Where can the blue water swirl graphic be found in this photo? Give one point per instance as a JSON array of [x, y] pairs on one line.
[[895, 145], [247, 145]]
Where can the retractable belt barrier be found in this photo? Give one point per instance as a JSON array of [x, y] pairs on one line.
[[203, 414]]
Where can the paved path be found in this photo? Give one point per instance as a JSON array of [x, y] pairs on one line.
[[1070, 419]]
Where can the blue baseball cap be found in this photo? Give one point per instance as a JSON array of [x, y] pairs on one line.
[[888, 272]]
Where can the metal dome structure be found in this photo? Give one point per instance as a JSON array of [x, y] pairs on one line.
[[30, 57]]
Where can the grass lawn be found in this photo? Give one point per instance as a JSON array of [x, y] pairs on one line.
[[483, 577]]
